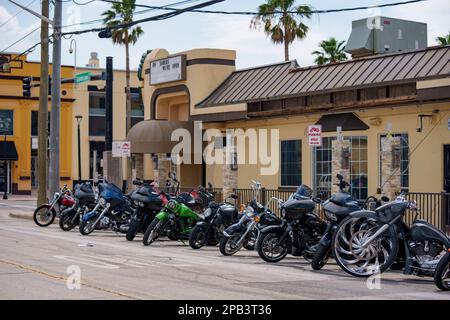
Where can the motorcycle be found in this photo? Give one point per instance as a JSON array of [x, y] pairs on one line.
[[217, 218], [299, 232], [112, 211], [85, 200], [442, 273], [45, 214], [246, 231], [178, 217], [336, 209], [369, 242], [148, 203]]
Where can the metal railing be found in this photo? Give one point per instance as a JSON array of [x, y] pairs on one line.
[[434, 208]]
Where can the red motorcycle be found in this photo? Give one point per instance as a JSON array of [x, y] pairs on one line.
[[45, 214]]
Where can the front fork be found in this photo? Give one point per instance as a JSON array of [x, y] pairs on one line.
[[249, 228], [105, 210]]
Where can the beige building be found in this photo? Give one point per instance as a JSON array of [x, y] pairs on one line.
[[385, 119]]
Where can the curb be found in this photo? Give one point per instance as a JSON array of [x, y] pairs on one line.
[[25, 216]]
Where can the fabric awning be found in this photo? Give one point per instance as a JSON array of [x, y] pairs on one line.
[[347, 121], [8, 151], [154, 136]]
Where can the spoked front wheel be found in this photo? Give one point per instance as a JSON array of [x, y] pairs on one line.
[[153, 231], [44, 215], [355, 255]]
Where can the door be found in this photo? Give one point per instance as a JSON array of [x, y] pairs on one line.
[[4, 177], [34, 172]]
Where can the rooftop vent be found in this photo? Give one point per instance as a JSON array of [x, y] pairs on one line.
[[377, 35]]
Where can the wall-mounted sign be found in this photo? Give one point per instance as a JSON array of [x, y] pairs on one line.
[[121, 149], [315, 135], [34, 143], [168, 70]]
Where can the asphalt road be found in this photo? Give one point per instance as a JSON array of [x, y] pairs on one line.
[[36, 263]]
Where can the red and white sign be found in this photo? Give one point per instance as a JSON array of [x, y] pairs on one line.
[[121, 149], [315, 135]]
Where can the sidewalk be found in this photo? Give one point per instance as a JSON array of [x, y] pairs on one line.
[[17, 197]]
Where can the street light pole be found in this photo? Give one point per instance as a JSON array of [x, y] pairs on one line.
[[74, 51], [5, 163], [79, 118]]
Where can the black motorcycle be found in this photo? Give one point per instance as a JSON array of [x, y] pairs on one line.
[[148, 203], [217, 217], [246, 231], [369, 242], [85, 200], [442, 273], [299, 232], [336, 209]]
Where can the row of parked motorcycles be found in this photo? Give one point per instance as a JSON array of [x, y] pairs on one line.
[[364, 238]]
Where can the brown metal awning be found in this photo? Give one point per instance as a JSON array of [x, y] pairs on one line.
[[154, 136], [8, 151], [347, 121]]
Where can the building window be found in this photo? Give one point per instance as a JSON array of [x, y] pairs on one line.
[[6, 122], [97, 125], [291, 163], [34, 123], [399, 159], [97, 103], [99, 147], [357, 166]]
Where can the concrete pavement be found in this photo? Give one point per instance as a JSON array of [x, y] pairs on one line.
[[36, 263]]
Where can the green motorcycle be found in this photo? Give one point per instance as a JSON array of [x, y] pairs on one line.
[[175, 220]]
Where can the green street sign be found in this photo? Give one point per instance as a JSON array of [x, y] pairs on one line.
[[83, 77]]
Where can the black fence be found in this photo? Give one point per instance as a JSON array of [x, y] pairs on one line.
[[434, 207]]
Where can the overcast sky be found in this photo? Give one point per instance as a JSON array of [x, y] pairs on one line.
[[195, 30]]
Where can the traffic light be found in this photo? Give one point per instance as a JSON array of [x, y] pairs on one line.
[[26, 86], [49, 85]]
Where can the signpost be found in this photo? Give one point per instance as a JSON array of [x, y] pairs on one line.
[[315, 135], [121, 149], [83, 77]]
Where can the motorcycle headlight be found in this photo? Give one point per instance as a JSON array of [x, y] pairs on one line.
[[172, 204], [207, 212], [102, 201], [249, 212], [56, 195]]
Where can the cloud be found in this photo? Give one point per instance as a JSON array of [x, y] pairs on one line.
[[13, 30]]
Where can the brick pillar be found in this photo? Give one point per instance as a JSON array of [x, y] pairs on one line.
[[161, 174], [390, 166], [337, 162], [230, 176]]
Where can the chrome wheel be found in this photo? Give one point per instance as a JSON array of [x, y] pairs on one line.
[[360, 260], [272, 249], [445, 278], [232, 246]]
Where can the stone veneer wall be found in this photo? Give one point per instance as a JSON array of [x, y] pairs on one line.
[[230, 177], [390, 176], [336, 163]]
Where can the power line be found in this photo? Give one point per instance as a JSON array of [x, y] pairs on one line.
[[25, 36], [274, 12], [19, 12], [164, 16], [135, 13]]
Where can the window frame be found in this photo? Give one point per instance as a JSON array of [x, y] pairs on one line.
[[300, 173]]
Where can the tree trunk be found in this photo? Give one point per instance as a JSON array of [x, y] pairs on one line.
[[128, 95], [286, 45], [43, 111], [128, 108]]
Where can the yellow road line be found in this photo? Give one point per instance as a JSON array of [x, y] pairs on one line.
[[59, 277]]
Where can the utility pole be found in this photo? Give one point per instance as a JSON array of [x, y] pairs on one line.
[[109, 104], [55, 113], [43, 110]]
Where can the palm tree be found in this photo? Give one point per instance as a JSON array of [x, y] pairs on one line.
[[120, 13], [330, 51], [281, 23], [445, 40]]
